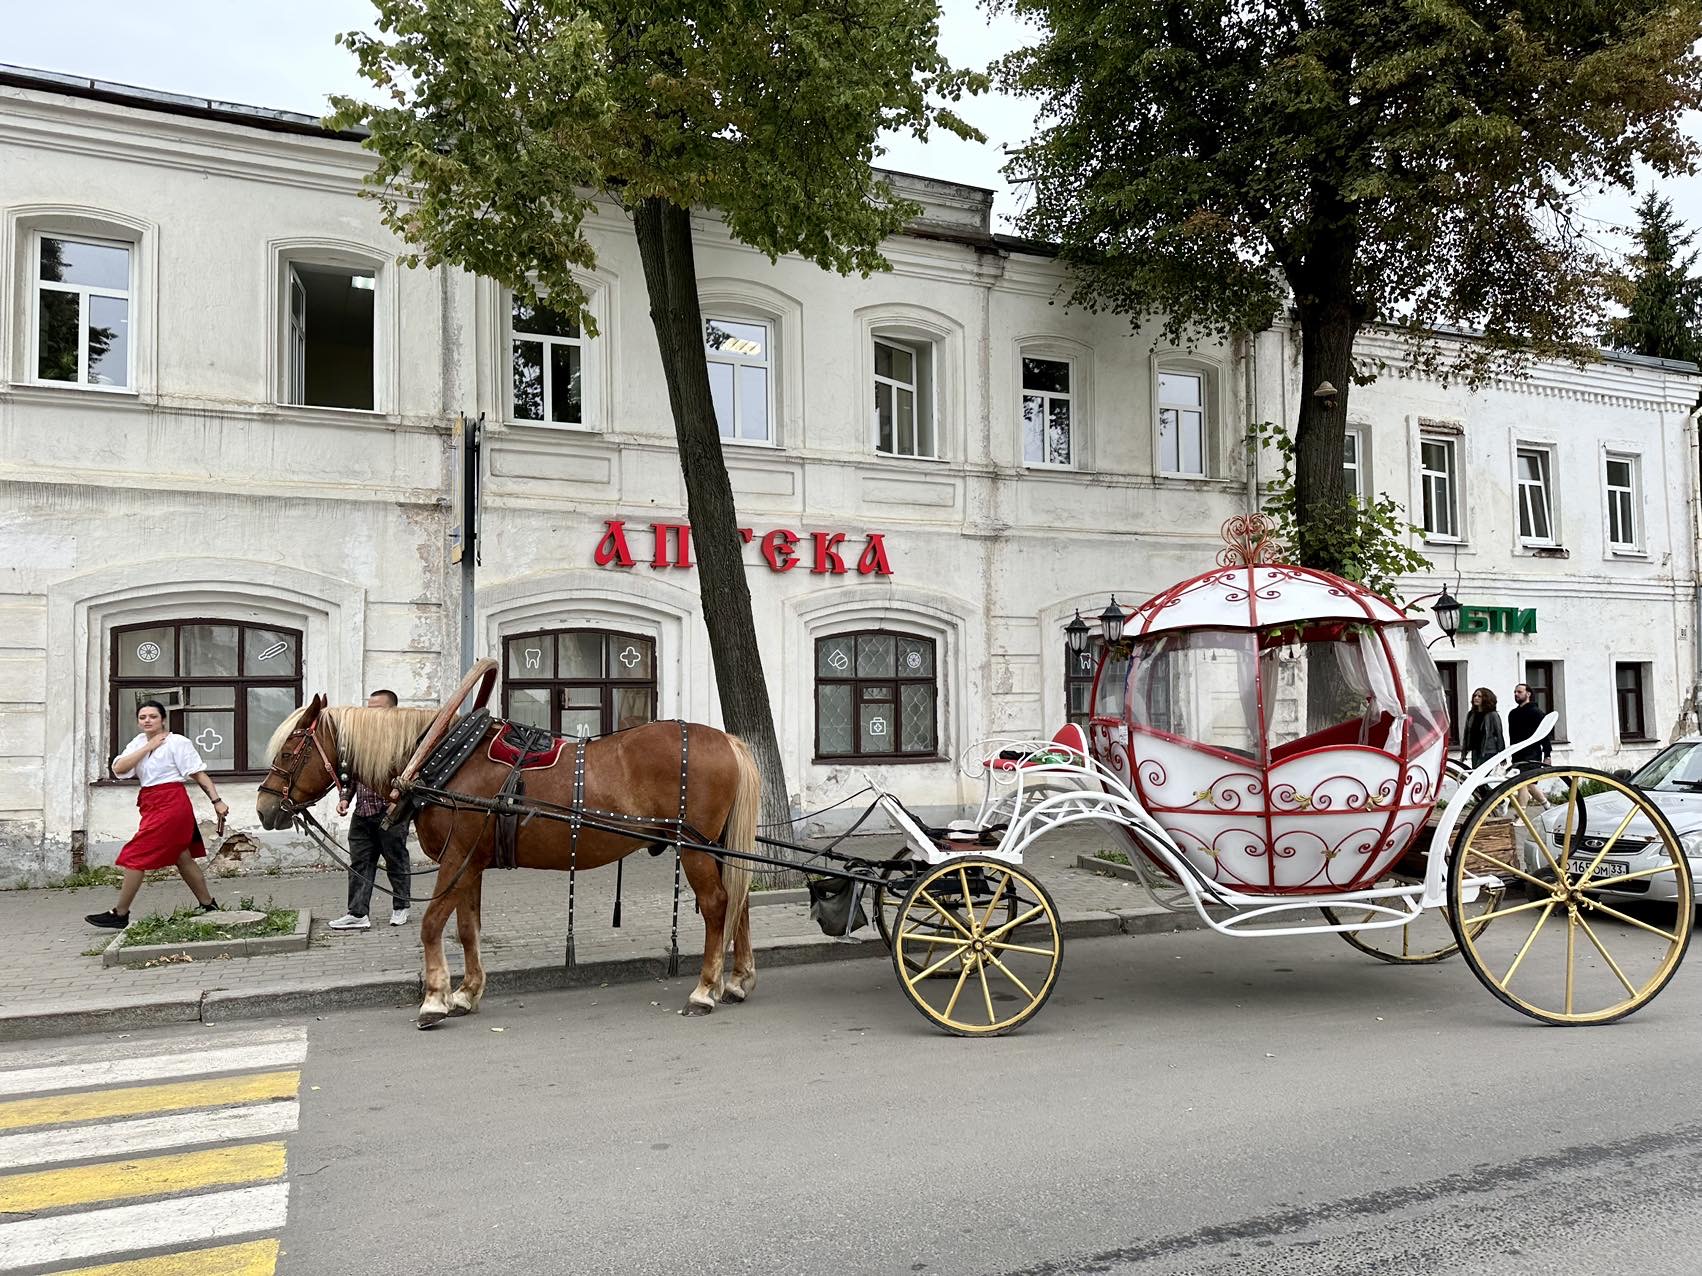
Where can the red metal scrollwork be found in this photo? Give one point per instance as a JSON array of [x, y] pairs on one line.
[[1249, 541]]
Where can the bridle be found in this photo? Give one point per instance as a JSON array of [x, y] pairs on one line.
[[289, 763]]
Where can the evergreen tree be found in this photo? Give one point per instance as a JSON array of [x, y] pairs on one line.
[[1662, 294]]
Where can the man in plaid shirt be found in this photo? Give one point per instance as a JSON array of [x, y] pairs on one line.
[[369, 839]]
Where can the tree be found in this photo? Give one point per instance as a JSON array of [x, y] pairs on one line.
[[505, 122], [1663, 294], [1409, 162]]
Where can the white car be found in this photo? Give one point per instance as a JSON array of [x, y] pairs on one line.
[[1673, 781]]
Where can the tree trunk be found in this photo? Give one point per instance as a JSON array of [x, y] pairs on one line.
[[670, 275], [1328, 326]]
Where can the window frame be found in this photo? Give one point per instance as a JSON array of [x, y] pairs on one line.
[[1451, 476], [607, 685], [1640, 701], [1069, 398], [1359, 471], [897, 682], [1633, 503], [920, 351], [240, 683], [1452, 674], [82, 292], [1206, 408], [735, 361], [512, 335], [1555, 691], [1545, 490], [1094, 656]]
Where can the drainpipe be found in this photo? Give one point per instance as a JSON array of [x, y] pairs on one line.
[[1693, 426], [1252, 378]]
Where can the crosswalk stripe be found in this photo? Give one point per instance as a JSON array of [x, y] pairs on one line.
[[137, 1100], [250, 1258], [62, 1238], [139, 1176], [147, 1134], [117, 1071], [81, 1055]]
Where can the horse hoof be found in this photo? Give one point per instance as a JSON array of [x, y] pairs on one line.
[[733, 997], [431, 1018], [695, 1011], [456, 1010]]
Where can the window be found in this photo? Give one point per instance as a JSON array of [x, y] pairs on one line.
[[549, 365], [1536, 501], [1544, 678], [580, 682], [877, 696], [1624, 503], [226, 685], [1354, 466], [904, 399], [741, 378], [1452, 673], [1181, 422], [330, 352], [1046, 412], [1438, 472], [1630, 682], [82, 312], [1078, 679]]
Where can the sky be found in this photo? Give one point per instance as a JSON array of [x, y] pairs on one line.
[[286, 57]]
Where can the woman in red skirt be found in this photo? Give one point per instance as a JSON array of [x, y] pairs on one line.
[[169, 835]]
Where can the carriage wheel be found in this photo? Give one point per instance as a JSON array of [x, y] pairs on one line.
[[1427, 938], [890, 898], [1002, 958], [1585, 936]]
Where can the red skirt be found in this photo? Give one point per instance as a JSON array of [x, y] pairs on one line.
[[168, 829]]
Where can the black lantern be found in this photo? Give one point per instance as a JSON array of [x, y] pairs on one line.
[[1111, 621], [1447, 610], [1075, 633]]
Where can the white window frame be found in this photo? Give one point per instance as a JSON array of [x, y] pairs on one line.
[[1450, 477], [82, 292], [1206, 409], [1633, 499], [285, 255], [1069, 398], [1542, 488], [1359, 471], [737, 361], [546, 341], [921, 400]]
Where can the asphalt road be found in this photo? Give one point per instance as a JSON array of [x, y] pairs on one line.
[[1184, 1103]]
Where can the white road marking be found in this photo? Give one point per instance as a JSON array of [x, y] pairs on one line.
[[191, 1063], [112, 1139], [81, 1055], [182, 1221]]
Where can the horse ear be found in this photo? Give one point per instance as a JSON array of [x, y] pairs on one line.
[[311, 714]]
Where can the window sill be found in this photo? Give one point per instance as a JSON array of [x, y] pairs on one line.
[[362, 413], [554, 427], [764, 445], [78, 387], [1527, 550], [1627, 553], [880, 759], [1452, 542], [899, 456]]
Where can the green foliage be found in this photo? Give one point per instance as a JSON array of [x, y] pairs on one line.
[[1662, 294], [91, 875], [1113, 857], [1371, 542], [185, 927], [503, 121]]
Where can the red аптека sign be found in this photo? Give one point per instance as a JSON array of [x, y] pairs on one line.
[[782, 550]]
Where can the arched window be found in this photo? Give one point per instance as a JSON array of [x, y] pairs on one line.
[[579, 682], [226, 685], [877, 696]]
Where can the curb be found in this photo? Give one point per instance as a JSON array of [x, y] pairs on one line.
[[210, 949], [367, 992]]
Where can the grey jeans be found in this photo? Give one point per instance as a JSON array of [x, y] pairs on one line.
[[368, 840]]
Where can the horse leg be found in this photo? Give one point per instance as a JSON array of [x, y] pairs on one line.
[[435, 1008], [743, 979], [465, 1000], [705, 878]]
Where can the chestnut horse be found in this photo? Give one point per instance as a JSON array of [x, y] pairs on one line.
[[634, 774]]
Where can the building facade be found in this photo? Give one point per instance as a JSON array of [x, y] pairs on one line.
[[227, 478]]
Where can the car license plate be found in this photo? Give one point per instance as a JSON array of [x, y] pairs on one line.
[[1607, 868]]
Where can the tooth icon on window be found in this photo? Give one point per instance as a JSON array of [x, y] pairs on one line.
[[534, 657]]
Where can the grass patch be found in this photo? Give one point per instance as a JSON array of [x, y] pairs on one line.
[[1112, 857], [92, 875], [186, 927]]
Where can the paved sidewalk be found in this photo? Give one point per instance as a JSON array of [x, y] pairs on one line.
[[55, 986]]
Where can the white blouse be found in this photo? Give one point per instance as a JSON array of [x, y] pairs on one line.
[[173, 761]]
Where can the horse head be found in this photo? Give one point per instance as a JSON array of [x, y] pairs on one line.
[[304, 765]]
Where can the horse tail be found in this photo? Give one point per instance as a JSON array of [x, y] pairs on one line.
[[739, 834]]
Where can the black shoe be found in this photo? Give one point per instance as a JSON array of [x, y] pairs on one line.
[[211, 906], [108, 920]]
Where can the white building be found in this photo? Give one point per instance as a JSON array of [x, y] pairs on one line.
[[225, 476]]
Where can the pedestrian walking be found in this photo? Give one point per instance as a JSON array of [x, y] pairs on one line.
[[168, 834], [1483, 737], [1523, 720], [369, 841]]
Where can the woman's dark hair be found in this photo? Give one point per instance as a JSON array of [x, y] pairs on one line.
[[1488, 699], [152, 704]]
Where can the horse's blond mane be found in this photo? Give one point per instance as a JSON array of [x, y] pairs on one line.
[[373, 744]]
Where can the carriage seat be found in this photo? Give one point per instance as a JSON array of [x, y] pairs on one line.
[[927, 840], [1071, 738], [518, 745], [1371, 732]]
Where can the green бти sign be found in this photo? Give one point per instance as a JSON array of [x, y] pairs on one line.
[[1498, 620]]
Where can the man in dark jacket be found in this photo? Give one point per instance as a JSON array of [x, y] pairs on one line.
[[1522, 723]]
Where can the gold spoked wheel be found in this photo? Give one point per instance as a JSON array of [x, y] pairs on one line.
[[1598, 901], [1429, 937], [990, 928], [889, 898]]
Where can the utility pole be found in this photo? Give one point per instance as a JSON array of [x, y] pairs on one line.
[[464, 537]]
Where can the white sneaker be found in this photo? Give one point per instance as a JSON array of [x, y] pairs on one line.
[[348, 921], [398, 917]]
